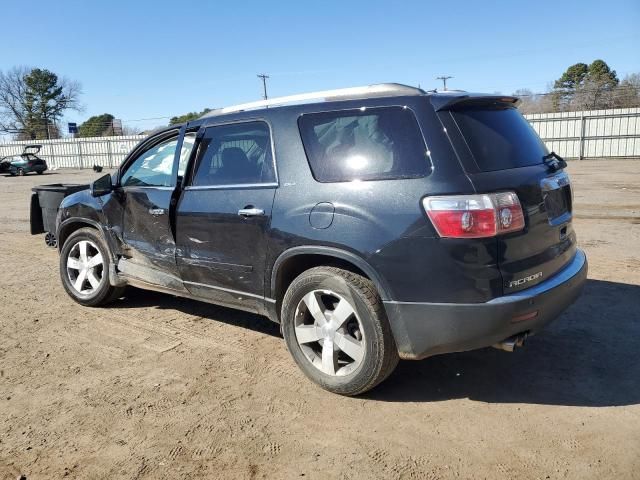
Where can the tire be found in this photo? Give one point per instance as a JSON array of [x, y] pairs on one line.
[[39, 172], [21, 172], [366, 331], [86, 291]]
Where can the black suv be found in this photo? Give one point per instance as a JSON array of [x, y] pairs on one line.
[[372, 223]]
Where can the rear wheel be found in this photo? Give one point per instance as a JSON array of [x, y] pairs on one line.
[[84, 267], [336, 329], [39, 172]]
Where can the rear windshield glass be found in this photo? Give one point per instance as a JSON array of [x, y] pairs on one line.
[[500, 139], [364, 144]]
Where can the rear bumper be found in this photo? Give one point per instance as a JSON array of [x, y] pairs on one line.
[[425, 329]]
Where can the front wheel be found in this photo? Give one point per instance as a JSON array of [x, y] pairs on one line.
[[84, 269], [336, 329], [21, 172]]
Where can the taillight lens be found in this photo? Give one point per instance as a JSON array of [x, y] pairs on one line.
[[475, 216]]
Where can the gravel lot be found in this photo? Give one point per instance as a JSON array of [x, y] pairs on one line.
[[161, 387]]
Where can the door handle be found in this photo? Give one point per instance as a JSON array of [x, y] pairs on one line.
[[250, 212], [156, 212]]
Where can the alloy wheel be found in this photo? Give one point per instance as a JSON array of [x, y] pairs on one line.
[[85, 267], [329, 332]]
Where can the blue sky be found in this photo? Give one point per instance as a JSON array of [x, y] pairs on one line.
[[149, 59]]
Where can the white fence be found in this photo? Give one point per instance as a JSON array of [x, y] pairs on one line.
[[78, 152], [590, 134]]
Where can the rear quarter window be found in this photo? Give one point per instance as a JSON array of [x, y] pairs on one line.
[[499, 138], [364, 144]]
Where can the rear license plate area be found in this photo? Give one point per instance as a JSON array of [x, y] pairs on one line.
[[556, 193], [557, 202]]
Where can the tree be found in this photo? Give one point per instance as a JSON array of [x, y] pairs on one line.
[[187, 117], [565, 87], [572, 77], [584, 86], [33, 100], [530, 102], [129, 130], [12, 100], [597, 89], [628, 92], [97, 126]]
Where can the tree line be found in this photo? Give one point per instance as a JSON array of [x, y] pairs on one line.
[[33, 101], [584, 87]]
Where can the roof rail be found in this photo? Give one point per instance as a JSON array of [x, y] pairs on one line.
[[352, 93]]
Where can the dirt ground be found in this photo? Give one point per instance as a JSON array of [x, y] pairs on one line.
[[161, 387]]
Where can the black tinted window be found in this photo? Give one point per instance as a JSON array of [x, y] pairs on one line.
[[234, 155], [365, 144], [500, 139]]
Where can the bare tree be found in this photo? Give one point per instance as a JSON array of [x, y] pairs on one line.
[[13, 111], [33, 100], [628, 92], [129, 130], [530, 102]]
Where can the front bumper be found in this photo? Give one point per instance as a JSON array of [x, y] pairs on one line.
[[425, 329]]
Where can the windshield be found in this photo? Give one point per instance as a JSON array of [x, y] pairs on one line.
[[500, 139]]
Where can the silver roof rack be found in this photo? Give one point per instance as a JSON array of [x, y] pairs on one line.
[[353, 93]]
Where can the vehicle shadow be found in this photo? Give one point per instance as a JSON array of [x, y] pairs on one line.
[[136, 298], [587, 357]]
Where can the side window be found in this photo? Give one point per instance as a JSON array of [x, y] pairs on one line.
[[365, 144], [235, 154], [153, 168], [185, 152]]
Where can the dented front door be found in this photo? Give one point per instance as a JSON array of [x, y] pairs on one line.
[[147, 229], [146, 193]]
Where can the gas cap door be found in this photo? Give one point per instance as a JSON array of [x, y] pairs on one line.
[[321, 216]]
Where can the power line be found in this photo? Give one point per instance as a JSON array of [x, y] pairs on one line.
[[444, 79], [264, 77]]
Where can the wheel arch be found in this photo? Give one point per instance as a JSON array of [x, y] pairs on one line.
[[70, 225], [295, 260]]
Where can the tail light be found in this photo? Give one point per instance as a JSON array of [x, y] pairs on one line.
[[475, 216]]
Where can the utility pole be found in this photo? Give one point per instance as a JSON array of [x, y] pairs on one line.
[[444, 79], [264, 84]]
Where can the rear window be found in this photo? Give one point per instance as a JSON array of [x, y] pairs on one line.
[[500, 139], [364, 144]]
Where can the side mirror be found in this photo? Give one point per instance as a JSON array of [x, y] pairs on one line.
[[102, 186]]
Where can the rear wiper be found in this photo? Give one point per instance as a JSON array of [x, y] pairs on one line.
[[554, 161]]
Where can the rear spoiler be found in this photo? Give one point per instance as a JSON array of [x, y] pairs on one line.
[[454, 102]]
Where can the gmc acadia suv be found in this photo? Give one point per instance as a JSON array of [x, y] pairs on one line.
[[372, 223]]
